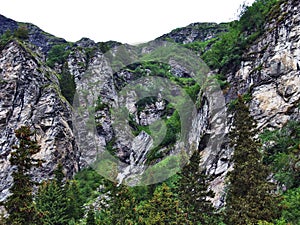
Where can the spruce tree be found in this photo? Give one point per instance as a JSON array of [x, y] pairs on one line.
[[74, 200], [249, 197], [59, 202], [162, 209], [51, 200], [193, 192], [19, 204], [119, 209]]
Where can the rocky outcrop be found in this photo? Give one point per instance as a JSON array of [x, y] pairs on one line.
[[7, 24], [271, 75], [195, 32], [30, 95], [36, 36]]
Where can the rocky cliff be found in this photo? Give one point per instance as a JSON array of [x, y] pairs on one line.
[[195, 32], [271, 71], [30, 94]]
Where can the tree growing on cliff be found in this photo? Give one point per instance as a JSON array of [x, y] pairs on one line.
[[19, 204], [193, 193], [249, 196]]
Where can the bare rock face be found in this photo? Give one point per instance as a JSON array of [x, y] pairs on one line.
[[195, 32], [271, 76], [272, 73], [30, 95]]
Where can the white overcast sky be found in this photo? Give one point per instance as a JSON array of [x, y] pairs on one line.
[[127, 21]]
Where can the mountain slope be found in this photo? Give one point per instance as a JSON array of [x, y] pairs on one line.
[[36, 36], [267, 73]]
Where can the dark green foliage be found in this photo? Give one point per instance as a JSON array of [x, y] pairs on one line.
[[245, 97], [173, 129], [226, 53], [121, 205], [110, 146], [5, 38], [90, 52], [282, 148], [21, 33], [51, 201], [291, 206], [193, 92], [193, 192], [90, 220], [163, 208], [254, 17], [88, 181], [67, 85], [200, 46], [249, 197], [20, 205], [59, 202], [100, 105], [74, 201], [58, 54]]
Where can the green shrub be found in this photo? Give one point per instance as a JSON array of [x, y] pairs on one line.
[[58, 54], [21, 33], [226, 53], [282, 153], [67, 85], [88, 181]]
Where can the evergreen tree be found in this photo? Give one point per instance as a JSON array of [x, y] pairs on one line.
[[74, 201], [59, 202], [163, 208], [193, 193], [90, 220], [249, 197], [19, 204], [119, 209], [51, 200]]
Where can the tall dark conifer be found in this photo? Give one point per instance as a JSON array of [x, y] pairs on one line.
[[51, 200], [162, 209], [249, 197], [119, 207], [58, 201], [19, 204], [193, 192]]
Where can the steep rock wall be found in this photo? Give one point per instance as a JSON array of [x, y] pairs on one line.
[[271, 73], [29, 95]]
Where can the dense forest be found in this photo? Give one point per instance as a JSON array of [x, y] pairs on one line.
[[263, 188]]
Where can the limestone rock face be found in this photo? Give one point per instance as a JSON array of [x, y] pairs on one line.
[[272, 73], [271, 76], [30, 95]]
